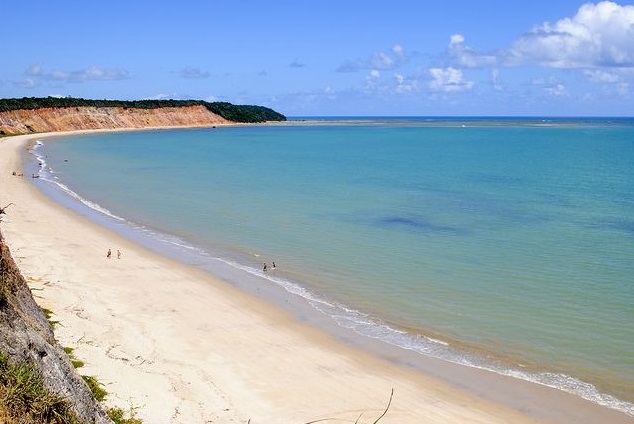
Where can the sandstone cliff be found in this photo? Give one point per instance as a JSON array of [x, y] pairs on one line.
[[26, 336], [86, 118]]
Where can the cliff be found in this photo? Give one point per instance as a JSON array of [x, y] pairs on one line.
[[24, 121], [27, 337]]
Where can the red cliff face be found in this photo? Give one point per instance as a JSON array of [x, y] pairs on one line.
[[89, 118]]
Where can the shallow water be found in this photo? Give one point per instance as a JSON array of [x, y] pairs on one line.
[[505, 246]]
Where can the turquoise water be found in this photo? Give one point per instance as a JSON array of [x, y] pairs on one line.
[[506, 246]]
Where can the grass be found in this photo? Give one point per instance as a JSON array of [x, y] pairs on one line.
[[95, 387], [118, 416], [48, 313], [24, 399], [76, 362]]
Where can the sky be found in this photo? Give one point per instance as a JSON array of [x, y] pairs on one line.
[[329, 58]]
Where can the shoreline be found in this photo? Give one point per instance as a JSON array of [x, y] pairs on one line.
[[155, 302]]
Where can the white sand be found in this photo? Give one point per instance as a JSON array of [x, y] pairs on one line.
[[179, 346]]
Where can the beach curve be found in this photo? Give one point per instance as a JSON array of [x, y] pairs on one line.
[[180, 346]]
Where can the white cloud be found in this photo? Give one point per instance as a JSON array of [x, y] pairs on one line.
[[192, 72], [379, 60], [404, 85], [495, 80], [57, 75], [92, 73], [34, 70], [545, 81], [558, 90], [448, 80], [551, 85], [623, 88], [351, 65], [399, 52], [600, 34], [465, 56], [173, 96], [456, 39], [372, 79], [600, 76], [382, 61], [98, 74], [26, 83], [330, 93]]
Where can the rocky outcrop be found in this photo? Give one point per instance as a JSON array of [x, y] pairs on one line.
[[87, 118], [26, 336]]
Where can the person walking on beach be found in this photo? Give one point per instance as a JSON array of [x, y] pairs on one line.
[[109, 254], [118, 254]]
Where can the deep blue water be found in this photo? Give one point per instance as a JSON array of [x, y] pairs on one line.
[[506, 244]]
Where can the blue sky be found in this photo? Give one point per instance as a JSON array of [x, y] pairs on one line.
[[345, 57]]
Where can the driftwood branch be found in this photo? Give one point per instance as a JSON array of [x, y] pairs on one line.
[[2, 209], [386, 408], [389, 403]]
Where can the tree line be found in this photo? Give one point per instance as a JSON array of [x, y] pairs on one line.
[[229, 111]]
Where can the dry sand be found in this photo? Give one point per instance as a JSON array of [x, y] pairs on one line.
[[179, 346]]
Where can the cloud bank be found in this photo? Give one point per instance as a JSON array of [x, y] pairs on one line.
[[599, 35], [36, 73]]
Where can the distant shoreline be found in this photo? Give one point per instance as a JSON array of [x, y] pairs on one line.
[[457, 121]]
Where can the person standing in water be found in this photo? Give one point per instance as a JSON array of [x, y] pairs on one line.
[[264, 267]]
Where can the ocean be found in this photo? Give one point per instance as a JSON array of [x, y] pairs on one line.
[[505, 244]]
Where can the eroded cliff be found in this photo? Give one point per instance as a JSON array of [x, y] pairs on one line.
[[24, 121]]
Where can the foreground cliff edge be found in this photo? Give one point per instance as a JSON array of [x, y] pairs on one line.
[[36, 115], [26, 338]]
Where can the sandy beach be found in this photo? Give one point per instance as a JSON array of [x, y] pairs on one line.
[[177, 345]]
